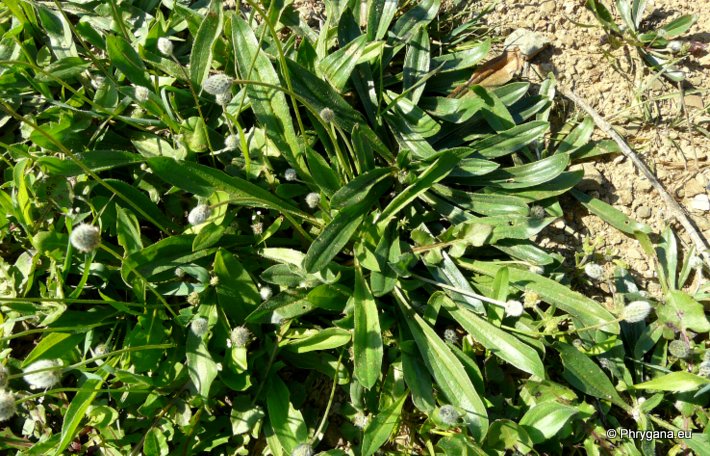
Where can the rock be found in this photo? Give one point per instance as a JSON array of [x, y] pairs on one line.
[[548, 7], [644, 185], [528, 42], [700, 203], [694, 101], [643, 212], [693, 187], [592, 180]]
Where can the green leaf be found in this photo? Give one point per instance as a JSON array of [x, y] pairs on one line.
[[578, 137], [611, 215], [511, 140], [434, 173], [204, 181], [237, 294], [78, 407], [269, 104], [357, 189], [418, 16], [58, 31], [286, 421], [367, 337], [678, 382], [416, 64], [325, 339], [529, 174], [500, 343], [418, 380], [544, 420], [161, 257], [683, 312], [379, 17], [124, 57], [339, 65], [201, 368], [202, 47], [588, 311], [446, 369], [679, 26], [585, 375], [381, 427], [96, 160], [54, 345], [128, 230]]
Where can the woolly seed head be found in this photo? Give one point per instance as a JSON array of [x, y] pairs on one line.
[[257, 228], [46, 378], [142, 94], [265, 293], [165, 46], [360, 420], [290, 175], [240, 336], [199, 214], [4, 374], [231, 142], [636, 311], [217, 84], [704, 369], [199, 326], [593, 271], [303, 449], [537, 212], [450, 336], [7, 405], [448, 415], [312, 200], [85, 237], [513, 308], [679, 349], [327, 115]]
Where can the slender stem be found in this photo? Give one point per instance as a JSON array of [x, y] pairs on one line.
[[330, 401]]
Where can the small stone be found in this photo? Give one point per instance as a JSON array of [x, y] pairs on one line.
[[643, 211], [694, 101], [548, 7], [528, 42], [592, 178], [700, 203], [693, 187]]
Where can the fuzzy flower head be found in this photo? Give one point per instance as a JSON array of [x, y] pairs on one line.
[[45, 379], [193, 298], [257, 228], [7, 405], [450, 336], [312, 200], [593, 271], [636, 311], [217, 84], [265, 293], [165, 46], [675, 46], [85, 237], [223, 99], [537, 212], [704, 369], [360, 420], [513, 308], [199, 214], [679, 349], [199, 326], [447, 415], [327, 115], [290, 175], [231, 142], [303, 449], [240, 336], [4, 374], [142, 94]]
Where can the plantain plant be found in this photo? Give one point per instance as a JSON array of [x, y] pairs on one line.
[[225, 231]]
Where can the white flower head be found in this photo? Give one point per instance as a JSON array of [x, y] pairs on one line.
[[165, 46], [450, 336], [636, 311], [513, 308], [223, 99], [360, 420], [142, 94], [214, 281], [327, 115], [704, 369], [265, 293], [4, 374], [193, 298], [85, 237], [217, 84], [257, 228], [312, 200], [290, 175], [231, 142], [448, 415], [303, 449], [199, 326], [239, 337], [537, 212], [593, 271], [45, 379], [675, 46], [7, 405], [199, 214]]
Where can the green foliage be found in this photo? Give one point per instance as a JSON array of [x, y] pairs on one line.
[[371, 238]]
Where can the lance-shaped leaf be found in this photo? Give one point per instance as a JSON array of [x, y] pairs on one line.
[[367, 341]]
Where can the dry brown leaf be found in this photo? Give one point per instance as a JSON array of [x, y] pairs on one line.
[[493, 73]]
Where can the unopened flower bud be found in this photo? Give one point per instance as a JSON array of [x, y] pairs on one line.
[[679, 349], [199, 326], [199, 214], [312, 200], [513, 308], [447, 415], [165, 46], [217, 84], [290, 175], [303, 449], [636, 311], [142, 94], [239, 337], [231, 142], [7, 405], [265, 293], [46, 378], [327, 115]]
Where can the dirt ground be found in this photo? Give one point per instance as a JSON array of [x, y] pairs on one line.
[[666, 124]]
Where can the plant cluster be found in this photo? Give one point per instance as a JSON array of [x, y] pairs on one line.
[[226, 232]]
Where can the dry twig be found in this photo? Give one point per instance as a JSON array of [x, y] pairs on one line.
[[680, 214]]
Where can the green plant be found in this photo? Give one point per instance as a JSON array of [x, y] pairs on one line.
[[658, 47], [256, 237]]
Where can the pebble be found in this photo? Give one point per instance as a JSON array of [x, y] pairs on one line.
[[643, 211], [700, 203], [593, 179], [530, 43], [693, 187]]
